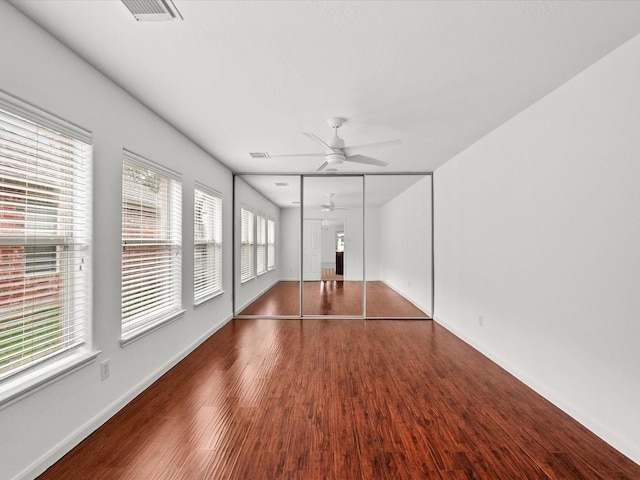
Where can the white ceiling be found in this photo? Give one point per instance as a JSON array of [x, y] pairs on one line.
[[239, 77]]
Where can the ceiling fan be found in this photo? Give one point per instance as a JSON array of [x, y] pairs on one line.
[[330, 206], [335, 151]]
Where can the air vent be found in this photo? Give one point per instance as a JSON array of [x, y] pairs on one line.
[[281, 184], [152, 10], [259, 155]]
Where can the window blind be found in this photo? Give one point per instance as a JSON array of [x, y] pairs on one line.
[[207, 266], [261, 244], [271, 244], [44, 236], [246, 245], [151, 245]]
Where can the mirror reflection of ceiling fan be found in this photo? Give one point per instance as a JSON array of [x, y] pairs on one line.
[[335, 151], [330, 206]]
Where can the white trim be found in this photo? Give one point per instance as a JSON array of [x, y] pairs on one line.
[[406, 297], [612, 438], [257, 295], [65, 445], [17, 387], [207, 299], [42, 117], [151, 165], [206, 189], [147, 328]]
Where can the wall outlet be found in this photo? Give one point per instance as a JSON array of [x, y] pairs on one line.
[[480, 320], [104, 370]]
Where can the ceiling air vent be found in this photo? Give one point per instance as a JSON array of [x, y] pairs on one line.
[[281, 184], [259, 155], [152, 10]]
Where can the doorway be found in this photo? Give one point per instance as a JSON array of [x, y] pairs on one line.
[[333, 254]]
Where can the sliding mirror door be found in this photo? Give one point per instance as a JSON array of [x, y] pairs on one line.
[[333, 246], [399, 246], [267, 239]]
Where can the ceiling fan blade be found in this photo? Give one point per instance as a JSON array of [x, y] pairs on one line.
[[366, 160], [353, 150], [319, 141], [300, 155], [322, 167]]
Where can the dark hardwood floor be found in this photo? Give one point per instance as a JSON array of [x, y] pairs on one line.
[[340, 399], [332, 297]]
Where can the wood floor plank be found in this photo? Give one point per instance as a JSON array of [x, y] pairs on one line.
[[340, 399], [332, 297]]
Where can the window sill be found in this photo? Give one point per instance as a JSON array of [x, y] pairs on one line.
[[247, 280], [144, 330], [202, 301], [19, 386]]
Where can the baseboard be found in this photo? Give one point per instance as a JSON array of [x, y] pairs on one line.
[[616, 441], [56, 453], [256, 296], [407, 297]]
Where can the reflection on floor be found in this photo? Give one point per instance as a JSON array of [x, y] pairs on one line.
[[330, 274], [332, 297]]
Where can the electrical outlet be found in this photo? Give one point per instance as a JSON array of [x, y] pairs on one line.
[[480, 320], [104, 370]]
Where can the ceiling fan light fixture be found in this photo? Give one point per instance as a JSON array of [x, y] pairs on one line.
[[335, 158]]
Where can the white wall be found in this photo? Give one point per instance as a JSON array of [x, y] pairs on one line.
[[248, 197], [374, 229], [41, 427], [290, 254], [537, 228], [328, 250], [406, 244], [289, 245]]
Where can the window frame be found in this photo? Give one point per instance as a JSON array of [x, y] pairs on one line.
[[203, 295], [56, 147], [261, 244], [271, 244], [247, 245], [169, 307]]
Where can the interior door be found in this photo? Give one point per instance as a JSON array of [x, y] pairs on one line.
[[311, 247]]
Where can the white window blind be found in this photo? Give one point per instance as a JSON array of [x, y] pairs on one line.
[[151, 246], [44, 237], [261, 244], [207, 253], [246, 245], [271, 244]]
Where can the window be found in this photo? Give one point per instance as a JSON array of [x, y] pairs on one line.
[[261, 244], [151, 246], [44, 243], [271, 244], [207, 252], [246, 245]]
